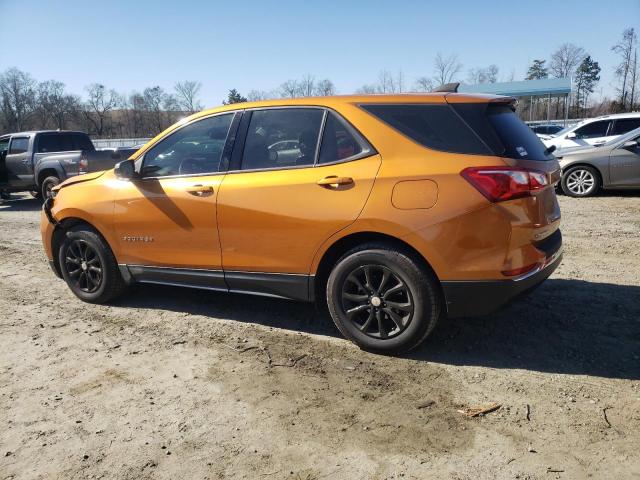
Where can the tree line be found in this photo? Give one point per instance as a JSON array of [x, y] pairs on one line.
[[26, 103]]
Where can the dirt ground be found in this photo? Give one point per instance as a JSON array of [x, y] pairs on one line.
[[175, 383]]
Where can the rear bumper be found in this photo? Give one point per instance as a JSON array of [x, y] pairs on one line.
[[474, 298]]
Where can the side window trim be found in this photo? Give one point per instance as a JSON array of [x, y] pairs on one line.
[[231, 136]]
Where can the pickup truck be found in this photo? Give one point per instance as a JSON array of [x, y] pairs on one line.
[[38, 161]]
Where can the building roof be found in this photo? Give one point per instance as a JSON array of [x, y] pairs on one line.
[[525, 88]]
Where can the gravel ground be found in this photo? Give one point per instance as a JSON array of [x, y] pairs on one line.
[[175, 383]]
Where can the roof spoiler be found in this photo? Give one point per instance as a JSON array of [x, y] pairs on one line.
[[448, 88]]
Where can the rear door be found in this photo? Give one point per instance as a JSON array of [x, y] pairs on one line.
[[624, 166], [298, 176], [18, 161]]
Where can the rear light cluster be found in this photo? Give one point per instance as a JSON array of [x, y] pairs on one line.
[[505, 183]]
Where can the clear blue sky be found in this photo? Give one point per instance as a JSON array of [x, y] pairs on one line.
[[129, 45]]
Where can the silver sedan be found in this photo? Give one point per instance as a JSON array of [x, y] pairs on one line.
[[614, 165]]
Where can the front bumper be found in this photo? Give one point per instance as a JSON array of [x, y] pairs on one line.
[[473, 298]]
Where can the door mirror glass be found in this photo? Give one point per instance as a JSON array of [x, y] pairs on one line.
[[631, 144], [125, 169], [571, 135]]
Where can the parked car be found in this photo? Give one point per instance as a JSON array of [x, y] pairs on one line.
[[547, 130], [614, 165], [397, 210], [594, 131], [38, 161]]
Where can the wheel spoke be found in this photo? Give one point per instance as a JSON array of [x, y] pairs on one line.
[[367, 278], [404, 307], [385, 277], [393, 290], [352, 311], [366, 324], [73, 260], [397, 319], [353, 279], [354, 297], [381, 330]]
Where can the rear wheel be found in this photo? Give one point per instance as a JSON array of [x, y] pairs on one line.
[[580, 181], [382, 299], [89, 267], [47, 184]]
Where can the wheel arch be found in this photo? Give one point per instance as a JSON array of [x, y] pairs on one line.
[[342, 245], [49, 170]]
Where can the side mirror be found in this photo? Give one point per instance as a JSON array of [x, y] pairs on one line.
[[571, 135], [125, 169], [630, 144]]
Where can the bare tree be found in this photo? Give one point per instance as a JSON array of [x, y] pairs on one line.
[[290, 89], [367, 89], [18, 95], [626, 50], [446, 68], [423, 84], [186, 95], [483, 75], [566, 59], [100, 102], [306, 86], [325, 88], [257, 95]]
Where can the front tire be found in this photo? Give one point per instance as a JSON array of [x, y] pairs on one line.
[[89, 267], [580, 181], [47, 184], [383, 300]]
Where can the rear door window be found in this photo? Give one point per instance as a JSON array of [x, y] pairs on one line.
[[625, 125], [18, 145], [282, 138], [81, 142], [593, 130]]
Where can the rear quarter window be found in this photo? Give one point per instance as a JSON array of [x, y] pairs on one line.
[[436, 126]]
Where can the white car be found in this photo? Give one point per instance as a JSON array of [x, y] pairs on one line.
[[594, 131]]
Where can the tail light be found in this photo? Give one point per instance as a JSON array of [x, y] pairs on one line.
[[505, 183], [83, 164]]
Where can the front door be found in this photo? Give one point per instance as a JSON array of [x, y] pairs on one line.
[[166, 220], [18, 166], [594, 133], [624, 166], [287, 192]]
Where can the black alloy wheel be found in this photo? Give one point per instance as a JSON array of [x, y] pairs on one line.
[[83, 265]]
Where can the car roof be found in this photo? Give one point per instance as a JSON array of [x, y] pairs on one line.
[[33, 132]]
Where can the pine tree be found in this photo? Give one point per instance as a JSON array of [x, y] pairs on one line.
[[587, 76], [537, 70], [234, 97]]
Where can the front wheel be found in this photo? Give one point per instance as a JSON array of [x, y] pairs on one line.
[[89, 267], [580, 181], [47, 185], [382, 299]]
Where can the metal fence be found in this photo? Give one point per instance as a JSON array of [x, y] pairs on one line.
[[118, 142]]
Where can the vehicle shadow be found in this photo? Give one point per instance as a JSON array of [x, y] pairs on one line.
[[20, 203], [566, 326]]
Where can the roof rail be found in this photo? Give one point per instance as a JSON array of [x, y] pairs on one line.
[[448, 87]]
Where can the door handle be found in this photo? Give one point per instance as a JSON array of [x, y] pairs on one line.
[[335, 181], [200, 190]]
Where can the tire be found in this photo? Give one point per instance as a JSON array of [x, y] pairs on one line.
[[581, 181], [46, 186], [35, 194], [86, 249], [408, 302]]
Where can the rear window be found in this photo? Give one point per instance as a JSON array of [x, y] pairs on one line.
[[81, 142], [434, 126], [55, 142]]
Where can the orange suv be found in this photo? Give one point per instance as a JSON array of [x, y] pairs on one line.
[[395, 209]]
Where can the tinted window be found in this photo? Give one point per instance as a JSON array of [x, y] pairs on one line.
[[339, 141], [282, 137], [434, 126], [593, 130], [625, 125], [195, 148], [56, 142], [19, 145], [81, 142], [4, 145]]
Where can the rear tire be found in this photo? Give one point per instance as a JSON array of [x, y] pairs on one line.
[[89, 267], [46, 186], [383, 300], [580, 181]]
